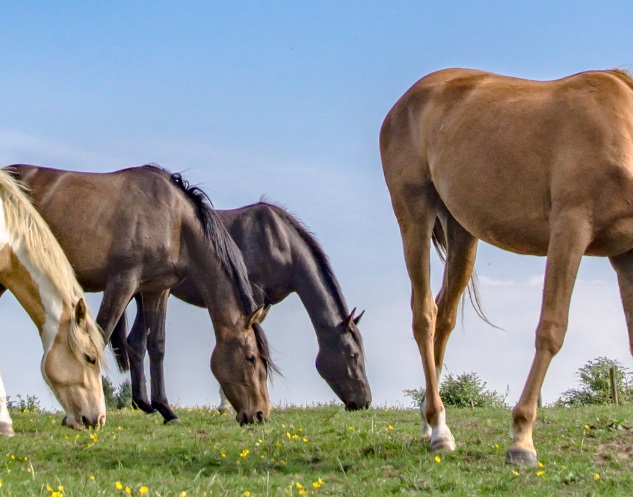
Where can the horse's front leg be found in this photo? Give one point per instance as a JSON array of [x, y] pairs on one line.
[[569, 238], [6, 423], [154, 314], [136, 346], [623, 265]]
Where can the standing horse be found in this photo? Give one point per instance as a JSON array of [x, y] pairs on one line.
[[282, 257], [34, 268], [148, 230], [541, 168]]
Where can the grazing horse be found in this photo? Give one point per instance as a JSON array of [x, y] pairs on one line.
[[282, 257], [541, 168], [148, 230], [34, 268]]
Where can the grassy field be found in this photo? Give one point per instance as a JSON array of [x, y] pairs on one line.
[[317, 451]]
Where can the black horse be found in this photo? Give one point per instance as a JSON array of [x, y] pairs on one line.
[[281, 257]]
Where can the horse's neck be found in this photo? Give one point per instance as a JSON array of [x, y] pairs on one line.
[[209, 284], [35, 292], [325, 308], [280, 262]]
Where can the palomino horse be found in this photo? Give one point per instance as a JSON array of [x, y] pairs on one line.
[[148, 230], [282, 257], [34, 268], [541, 168]]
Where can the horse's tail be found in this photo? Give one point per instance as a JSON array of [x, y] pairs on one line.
[[118, 343], [439, 242]]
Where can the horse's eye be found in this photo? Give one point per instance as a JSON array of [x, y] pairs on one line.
[[251, 358], [90, 359]]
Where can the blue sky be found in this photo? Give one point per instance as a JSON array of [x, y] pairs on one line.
[[285, 99]]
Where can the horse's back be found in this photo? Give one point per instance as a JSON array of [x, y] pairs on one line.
[[505, 154], [103, 220]]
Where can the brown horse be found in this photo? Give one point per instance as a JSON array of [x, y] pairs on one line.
[[145, 230], [542, 168]]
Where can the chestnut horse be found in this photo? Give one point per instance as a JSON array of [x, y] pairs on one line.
[[147, 231], [541, 168], [34, 268], [282, 257]]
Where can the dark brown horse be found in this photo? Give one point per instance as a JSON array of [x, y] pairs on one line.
[[282, 257], [147, 231], [541, 168]]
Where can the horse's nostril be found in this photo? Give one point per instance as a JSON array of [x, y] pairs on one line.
[[101, 421], [259, 416], [65, 421], [351, 406]]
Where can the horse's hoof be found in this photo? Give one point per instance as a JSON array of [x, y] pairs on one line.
[[174, 421], [521, 457], [6, 429], [443, 445]]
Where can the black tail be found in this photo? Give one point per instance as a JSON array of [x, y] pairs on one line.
[[118, 343], [439, 242]]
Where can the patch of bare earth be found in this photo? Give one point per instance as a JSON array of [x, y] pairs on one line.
[[619, 448]]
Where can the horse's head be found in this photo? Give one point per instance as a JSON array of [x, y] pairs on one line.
[[71, 367], [341, 362], [241, 364]]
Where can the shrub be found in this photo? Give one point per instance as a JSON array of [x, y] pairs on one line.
[[595, 385], [465, 390], [117, 397], [31, 403]]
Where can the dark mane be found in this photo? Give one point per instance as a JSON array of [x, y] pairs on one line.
[[223, 245], [317, 251]]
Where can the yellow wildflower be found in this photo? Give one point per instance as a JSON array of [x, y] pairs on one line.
[[244, 453], [92, 477], [303, 491], [49, 488], [295, 437], [540, 473], [305, 440], [515, 472], [183, 494], [299, 485], [587, 427], [143, 490], [596, 476], [128, 490], [246, 493], [438, 459], [118, 485], [540, 464]]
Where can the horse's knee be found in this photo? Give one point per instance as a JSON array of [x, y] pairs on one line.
[[550, 337]]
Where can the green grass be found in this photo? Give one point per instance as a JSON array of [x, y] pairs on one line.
[[375, 452]]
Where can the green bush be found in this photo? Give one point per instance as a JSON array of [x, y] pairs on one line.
[[30, 404], [595, 385], [465, 390], [117, 397]]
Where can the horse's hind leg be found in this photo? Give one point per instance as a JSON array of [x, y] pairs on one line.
[[460, 260], [570, 236], [6, 424], [623, 265]]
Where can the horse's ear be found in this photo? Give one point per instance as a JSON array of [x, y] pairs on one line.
[[257, 317], [357, 318], [349, 319], [265, 312], [80, 311]]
